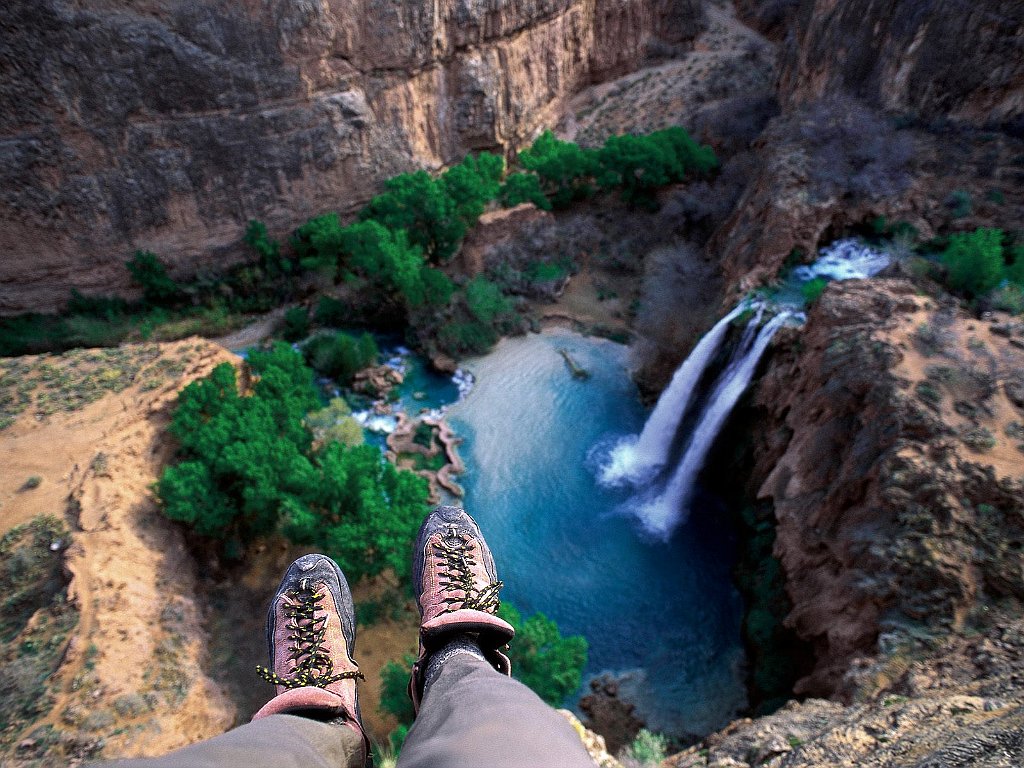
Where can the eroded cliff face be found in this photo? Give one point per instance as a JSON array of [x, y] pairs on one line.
[[893, 454], [941, 59], [167, 125]]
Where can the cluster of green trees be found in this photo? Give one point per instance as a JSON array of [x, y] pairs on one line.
[[395, 249], [248, 467], [340, 355], [984, 265], [637, 165], [550, 664]]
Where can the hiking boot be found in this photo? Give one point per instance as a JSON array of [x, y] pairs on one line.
[[456, 587], [311, 634]]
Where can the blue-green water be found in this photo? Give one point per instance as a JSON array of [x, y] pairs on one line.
[[664, 616]]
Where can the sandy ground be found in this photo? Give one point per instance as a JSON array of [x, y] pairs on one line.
[[134, 665], [968, 345]]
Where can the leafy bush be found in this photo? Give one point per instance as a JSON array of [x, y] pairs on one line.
[[334, 423], [974, 261], [647, 750], [812, 289], [486, 301], [296, 324], [394, 689], [466, 337], [272, 263], [542, 659], [472, 184], [331, 311], [158, 289], [339, 355]]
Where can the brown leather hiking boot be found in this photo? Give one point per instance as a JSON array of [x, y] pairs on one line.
[[311, 634], [456, 587]]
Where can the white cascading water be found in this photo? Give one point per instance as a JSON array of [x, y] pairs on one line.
[[661, 515], [637, 459]]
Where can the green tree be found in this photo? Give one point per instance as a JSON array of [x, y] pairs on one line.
[[565, 168], [317, 244], [974, 261], [158, 289], [296, 324], [472, 184], [551, 665], [418, 204], [334, 424], [272, 262], [387, 259], [524, 188]]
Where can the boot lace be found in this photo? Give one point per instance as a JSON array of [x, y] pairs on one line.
[[454, 555], [313, 665]]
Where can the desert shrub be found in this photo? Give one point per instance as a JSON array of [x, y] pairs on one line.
[[340, 355], [959, 203], [296, 324], [646, 750], [544, 660], [853, 150], [158, 289], [1008, 298], [974, 261], [523, 188]]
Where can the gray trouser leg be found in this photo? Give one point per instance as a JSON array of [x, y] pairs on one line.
[[277, 741], [473, 716]]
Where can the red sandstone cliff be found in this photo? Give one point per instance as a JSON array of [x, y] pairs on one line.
[[167, 125]]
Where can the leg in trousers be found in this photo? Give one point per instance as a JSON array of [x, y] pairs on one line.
[[277, 741], [474, 716]]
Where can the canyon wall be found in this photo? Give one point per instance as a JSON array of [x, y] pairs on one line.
[[929, 59], [892, 451], [166, 125]]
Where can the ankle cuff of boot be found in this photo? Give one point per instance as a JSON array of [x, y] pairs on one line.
[[305, 698], [491, 631]]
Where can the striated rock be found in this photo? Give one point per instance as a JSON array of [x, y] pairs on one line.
[[959, 702], [932, 60], [166, 126], [890, 515]]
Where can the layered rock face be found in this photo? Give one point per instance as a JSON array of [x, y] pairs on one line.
[[944, 59], [893, 454], [167, 125]]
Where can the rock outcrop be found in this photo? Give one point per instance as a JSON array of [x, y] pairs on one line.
[[167, 125], [957, 701], [893, 455], [944, 60]]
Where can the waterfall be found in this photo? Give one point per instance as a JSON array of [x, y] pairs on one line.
[[636, 459], [662, 514]]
